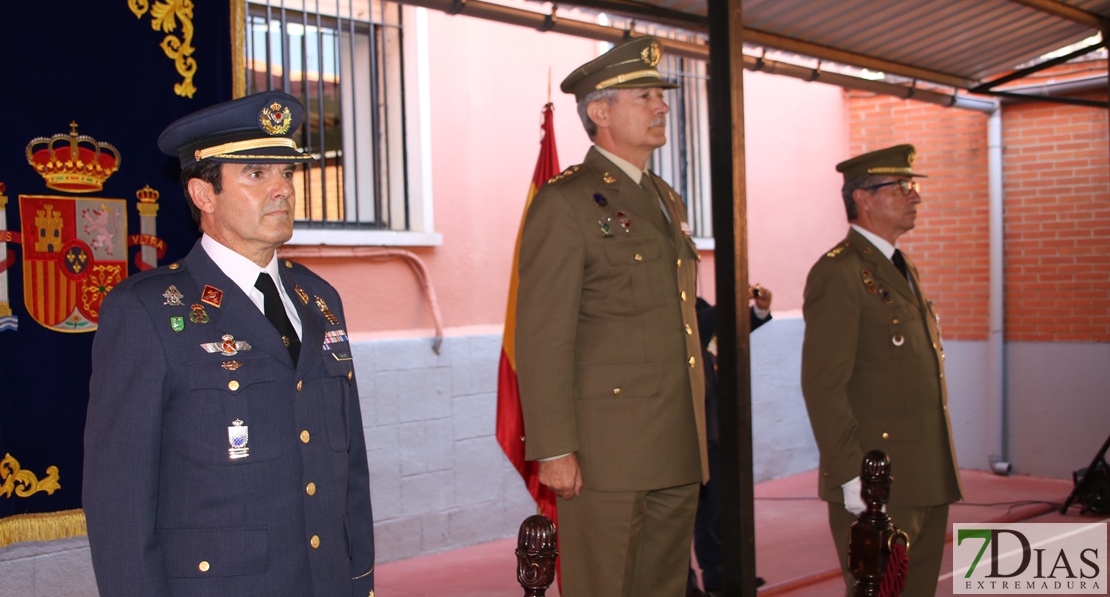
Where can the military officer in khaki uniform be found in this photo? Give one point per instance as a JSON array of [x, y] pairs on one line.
[[607, 342], [873, 367]]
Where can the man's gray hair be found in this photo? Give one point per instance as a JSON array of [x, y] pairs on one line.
[[849, 188], [608, 96]]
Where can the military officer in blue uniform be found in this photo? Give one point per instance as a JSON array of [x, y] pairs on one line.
[[224, 451]]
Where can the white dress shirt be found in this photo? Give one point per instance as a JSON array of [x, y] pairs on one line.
[[244, 273]]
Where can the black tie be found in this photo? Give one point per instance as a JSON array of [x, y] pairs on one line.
[[275, 312], [900, 263]]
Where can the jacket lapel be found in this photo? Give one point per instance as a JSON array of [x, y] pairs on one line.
[[628, 196], [236, 315], [881, 267], [312, 328]]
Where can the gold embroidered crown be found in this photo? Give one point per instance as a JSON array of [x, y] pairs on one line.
[[73, 163]]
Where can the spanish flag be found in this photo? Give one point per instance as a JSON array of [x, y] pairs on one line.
[[510, 419]]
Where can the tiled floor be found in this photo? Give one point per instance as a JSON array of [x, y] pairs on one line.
[[793, 546]]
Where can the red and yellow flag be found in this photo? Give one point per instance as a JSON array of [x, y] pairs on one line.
[[510, 419]]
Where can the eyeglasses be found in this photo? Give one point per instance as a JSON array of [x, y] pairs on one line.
[[907, 186]]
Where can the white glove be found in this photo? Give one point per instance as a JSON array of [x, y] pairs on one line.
[[852, 501]]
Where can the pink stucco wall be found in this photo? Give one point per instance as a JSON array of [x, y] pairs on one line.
[[488, 84]]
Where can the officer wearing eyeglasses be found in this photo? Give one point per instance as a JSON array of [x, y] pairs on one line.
[[873, 368]]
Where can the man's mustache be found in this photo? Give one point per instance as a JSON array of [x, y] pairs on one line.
[[661, 121]]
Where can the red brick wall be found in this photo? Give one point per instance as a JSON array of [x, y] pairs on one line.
[[1056, 181], [949, 243], [1057, 218]]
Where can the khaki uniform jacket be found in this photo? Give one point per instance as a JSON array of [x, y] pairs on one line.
[[607, 349], [873, 376]]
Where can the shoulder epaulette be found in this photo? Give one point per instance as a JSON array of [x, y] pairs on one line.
[[837, 250], [564, 174]]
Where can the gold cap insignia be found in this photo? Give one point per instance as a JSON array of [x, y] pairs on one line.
[[275, 119], [911, 156], [651, 54]]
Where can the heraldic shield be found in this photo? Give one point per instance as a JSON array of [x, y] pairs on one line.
[[74, 253]]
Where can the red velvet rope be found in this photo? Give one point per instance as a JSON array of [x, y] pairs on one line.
[[895, 578]]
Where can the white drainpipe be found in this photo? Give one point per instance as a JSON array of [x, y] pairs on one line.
[[996, 359]]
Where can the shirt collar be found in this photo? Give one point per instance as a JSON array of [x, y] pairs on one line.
[[241, 270], [880, 243], [627, 167]]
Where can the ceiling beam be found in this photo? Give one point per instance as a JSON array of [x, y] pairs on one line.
[[820, 52], [1068, 12]]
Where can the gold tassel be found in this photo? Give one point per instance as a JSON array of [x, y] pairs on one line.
[[46, 526]]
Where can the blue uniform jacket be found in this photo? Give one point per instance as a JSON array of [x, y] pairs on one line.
[[169, 510]]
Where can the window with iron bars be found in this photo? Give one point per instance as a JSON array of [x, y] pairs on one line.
[[343, 60], [684, 161]]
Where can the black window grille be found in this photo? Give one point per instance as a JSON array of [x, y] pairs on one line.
[[684, 161], [343, 60]]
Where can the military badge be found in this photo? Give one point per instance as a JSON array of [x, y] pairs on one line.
[[332, 319], [301, 293], [228, 346], [898, 340], [868, 281], [177, 323], [685, 227], [651, 54], [212, 295], [883, 292], [173, 297], [231, 365], [624, 221], [237, 437], [606, 230], [608, 179], [275, 119], [334, 336], [600, 200], [197, 314]]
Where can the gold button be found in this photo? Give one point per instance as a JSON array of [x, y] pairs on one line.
[[300, 384], [175, 266], [894, 321], [288, 264], [233, 385], [943, 356], [691, 361], [304, 437], [945, 408], [314, 541], [942, 374], [616, 391], [310, 489], [679, 263], [203, 566], [350, 375], [934, 345], [824, 474], [682, 295], [688, 330], [638, 257], [886, 435]]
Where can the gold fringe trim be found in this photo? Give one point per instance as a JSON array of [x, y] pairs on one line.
[[46, 526]]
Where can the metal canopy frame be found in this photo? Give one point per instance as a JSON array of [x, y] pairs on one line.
[[695, 22]]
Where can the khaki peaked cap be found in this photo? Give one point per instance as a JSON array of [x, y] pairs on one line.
[[631, 64], [897, 160]]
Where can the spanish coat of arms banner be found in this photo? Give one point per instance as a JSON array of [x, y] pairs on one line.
[[86, 199]]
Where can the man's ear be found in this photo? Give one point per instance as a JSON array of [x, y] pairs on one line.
[[203, 195], [862, 199], [598, 111]]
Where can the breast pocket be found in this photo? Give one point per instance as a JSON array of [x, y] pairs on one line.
[[892, 334], [231, 418], [336, 395], [636, 272]]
